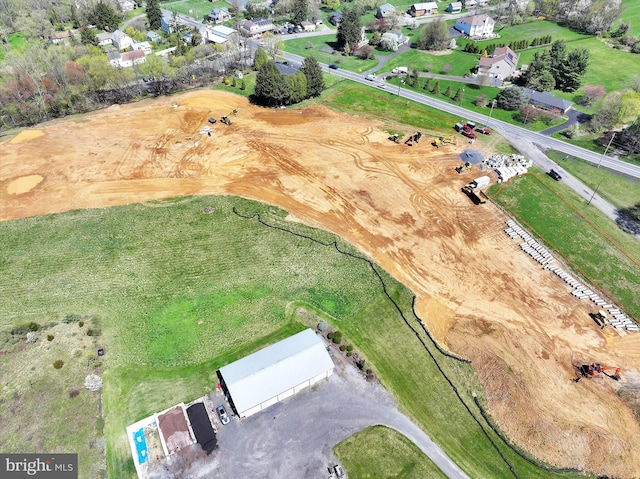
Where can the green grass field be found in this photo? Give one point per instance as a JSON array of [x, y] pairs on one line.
[[17, 42], [631, 15], [181, 292], [362, 456], [606, 256], [619, 190]]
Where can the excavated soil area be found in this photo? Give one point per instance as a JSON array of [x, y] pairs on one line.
[[402, 206]]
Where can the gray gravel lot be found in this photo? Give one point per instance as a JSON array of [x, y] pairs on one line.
[[294, 438]]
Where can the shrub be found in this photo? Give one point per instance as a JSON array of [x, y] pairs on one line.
[[350, 347], [74, 393], [49, 337], [349, 353], [58, 363], [80, 323], [33, 326], [70, 318], [343, 347], [330, 335], [337, 337], [93, 332]]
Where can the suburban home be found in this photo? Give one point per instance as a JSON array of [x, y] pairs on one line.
[[308, 26], [128, 59], [454, 7], [60, 37], [476, 26], [502, 64], [419, 9], [104, 38], [144, 46], [153, 36], [255, 28], [399, 38], [548, 101], [384, 10], [220, 34], [335, 18], [167, 21], [121, 40], [219, 15], [126, 5], [114, 59], [470, 3]]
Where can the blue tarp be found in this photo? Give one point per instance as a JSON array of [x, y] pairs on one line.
[[141, 445]]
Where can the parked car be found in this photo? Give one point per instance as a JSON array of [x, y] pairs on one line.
[[484, 130], [382, 85], [371, 76], [338, 470], [333, 66], [212, 120], [222, 414], [555, 175]]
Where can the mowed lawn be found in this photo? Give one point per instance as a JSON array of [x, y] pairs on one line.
[[564, 222], [381, 452], [631, 15], [182, 287]]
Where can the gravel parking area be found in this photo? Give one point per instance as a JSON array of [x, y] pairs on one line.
[[294, 438]]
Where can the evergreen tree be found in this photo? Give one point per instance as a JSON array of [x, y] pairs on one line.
[[260, 59], [104, 17], [154, 14], [574, 69], [458, 97], [87, 37], [436, 88], [350, 28], [271, 88], [296, 87], [315, 79], [243, 85], [558, 59], [427, 85], [300, 11], [447, 92]]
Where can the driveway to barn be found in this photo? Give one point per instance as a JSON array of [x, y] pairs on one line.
[[295, 438]]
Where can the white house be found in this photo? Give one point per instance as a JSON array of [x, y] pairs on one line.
[[454, 7], [470, 3], [256, 27], [126, 59], [104, 38], [502, 64], [384, 10], [60, 37], [144, 46], [308, 26], [276, 372], [220, 34], [219, 15], [126, 5], [476, 26], [419, 9], [121, 40]]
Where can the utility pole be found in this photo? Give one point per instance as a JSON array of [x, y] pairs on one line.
[[594, 192], [606, 149]]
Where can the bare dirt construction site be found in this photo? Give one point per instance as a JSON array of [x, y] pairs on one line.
[[401, 206]]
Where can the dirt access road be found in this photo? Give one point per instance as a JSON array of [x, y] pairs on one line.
[[479, 294]]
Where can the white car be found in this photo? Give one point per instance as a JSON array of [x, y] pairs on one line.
[[371, 76], [222, 414], [382, 85]]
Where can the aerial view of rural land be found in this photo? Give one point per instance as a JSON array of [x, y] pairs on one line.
[[319, 239]]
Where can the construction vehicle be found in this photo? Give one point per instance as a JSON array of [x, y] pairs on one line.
[[597, 371], [225, 120], [463, 167], [413, 138], [395, 138], [476, 195], [600, 318]]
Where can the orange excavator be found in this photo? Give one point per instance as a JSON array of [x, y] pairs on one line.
[[597, 370]]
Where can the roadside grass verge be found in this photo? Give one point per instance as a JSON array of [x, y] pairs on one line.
[[619, 190], [323, 50], [604, 255], [589, 142], [189, 276], [379, 451]]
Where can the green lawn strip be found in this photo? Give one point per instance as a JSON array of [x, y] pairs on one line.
[[592, 246], [589, 141], [630, 15], [320, 46], [381, 452], [134, 13], [197, 9], [459, 61], [619, 190], [132, 393]]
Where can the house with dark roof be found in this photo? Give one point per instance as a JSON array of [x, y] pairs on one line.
[[384, 10], [335, 18], [153, 36], [255, 28], [502, 64], [454, 7], [548, 101], [219, 15], [477, 26]]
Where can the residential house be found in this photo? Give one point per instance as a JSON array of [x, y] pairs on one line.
[[167, 22], [104, 38], [419, 9], [255, 28], [470, 3], [548, 101], [384, 10], [121, 40], [454, 7], [60, 37], [126, 5], [476, 26], [502, 64], [219, 15], [114, 59], [482, 3], [144, 46], [335, 18], [153, 36], [308, 26], [220, 34], [128, 59]]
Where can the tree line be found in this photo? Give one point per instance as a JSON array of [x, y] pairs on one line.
[[473, 47]]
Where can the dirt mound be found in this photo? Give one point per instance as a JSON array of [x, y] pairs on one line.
[[402, 206]]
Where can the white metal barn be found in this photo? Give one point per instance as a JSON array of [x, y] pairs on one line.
[[276, 372]]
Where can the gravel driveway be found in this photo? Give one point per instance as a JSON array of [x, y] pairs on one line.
[[294, 438]]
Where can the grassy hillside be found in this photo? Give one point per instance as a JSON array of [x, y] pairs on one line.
[[182, 287]]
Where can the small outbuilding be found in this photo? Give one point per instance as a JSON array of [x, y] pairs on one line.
[[454, 7], [276, 372]]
